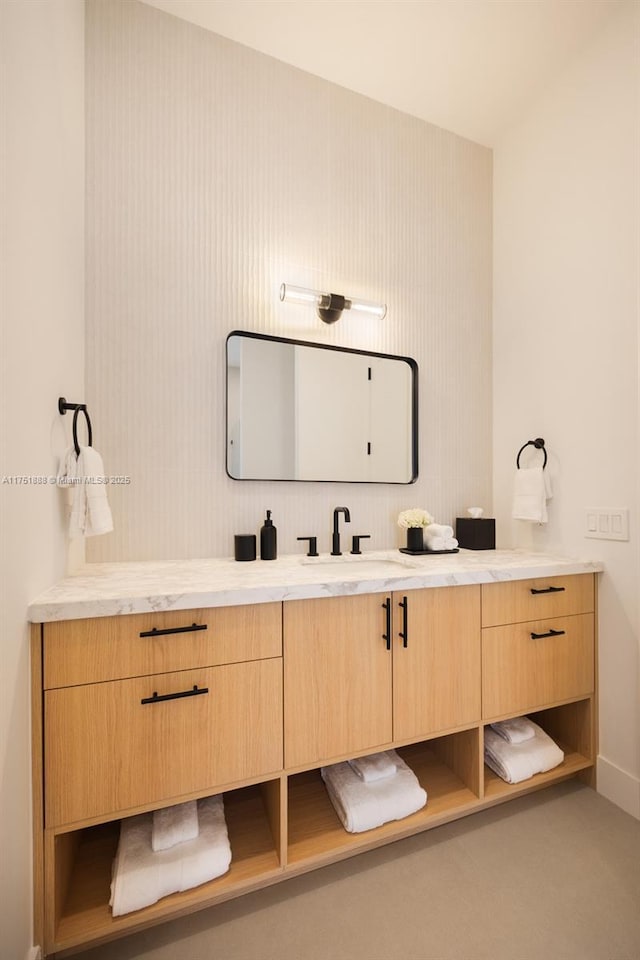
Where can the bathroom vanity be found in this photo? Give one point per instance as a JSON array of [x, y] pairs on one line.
[[155, 683]]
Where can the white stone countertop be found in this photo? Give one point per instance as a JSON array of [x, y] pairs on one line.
[[108, 589]]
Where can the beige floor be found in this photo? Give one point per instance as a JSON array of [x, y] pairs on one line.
[[552, 876]]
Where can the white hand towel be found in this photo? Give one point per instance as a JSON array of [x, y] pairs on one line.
[[515, 762], [83, 476], [98, 513], [362, 806], [75, 495], [515, 730], [173, 825], [377, 766], [141, 877], [531, 490]]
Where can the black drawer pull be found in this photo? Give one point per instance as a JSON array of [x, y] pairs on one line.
[[154, 632], [175, 696], [551, 633], [548, 590], [404, 633], [387, 636]]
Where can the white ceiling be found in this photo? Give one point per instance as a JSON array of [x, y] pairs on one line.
[[471, 66]]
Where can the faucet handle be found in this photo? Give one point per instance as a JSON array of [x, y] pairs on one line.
[[313, 545], [355, 544]]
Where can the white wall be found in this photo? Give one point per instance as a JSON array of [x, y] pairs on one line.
[[42, 357], [566, 283], [215, 173]]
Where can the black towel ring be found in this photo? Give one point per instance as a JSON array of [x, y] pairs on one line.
[[538, 443], [77, 408]]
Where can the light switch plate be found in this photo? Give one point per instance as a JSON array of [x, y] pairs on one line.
[[607, 524]]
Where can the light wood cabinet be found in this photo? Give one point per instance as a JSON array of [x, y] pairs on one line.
[[363, 671], [127, 743], [436, 669], [514, 601], [112, 648], [527, 666], [122, 725], [337, 678]]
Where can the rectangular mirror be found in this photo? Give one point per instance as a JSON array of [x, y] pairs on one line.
[[306, 411]]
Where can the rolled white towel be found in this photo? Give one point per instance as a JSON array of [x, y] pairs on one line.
[[515, 762], [440, 543], [142, 877], [438, 530], [377, 766], [515, 730], [362, 806], [173, 825]]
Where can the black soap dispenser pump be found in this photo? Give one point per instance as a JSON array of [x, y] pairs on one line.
[[268, 540]]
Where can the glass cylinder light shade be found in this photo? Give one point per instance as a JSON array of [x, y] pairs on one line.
[[322, 301]]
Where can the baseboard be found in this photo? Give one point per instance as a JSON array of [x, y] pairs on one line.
[[34, 953], [620, 787]]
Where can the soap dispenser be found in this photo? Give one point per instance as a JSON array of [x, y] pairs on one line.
[[268, 539]]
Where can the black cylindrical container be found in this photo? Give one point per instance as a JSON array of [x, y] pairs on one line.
[[415, 539], [268, 540], [245, 546]]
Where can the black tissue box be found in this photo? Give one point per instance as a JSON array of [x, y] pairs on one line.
[[473, 534]]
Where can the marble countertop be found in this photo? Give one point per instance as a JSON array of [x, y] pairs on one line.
[[108, 589]]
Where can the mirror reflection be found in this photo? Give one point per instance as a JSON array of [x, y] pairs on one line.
[[305, 411]]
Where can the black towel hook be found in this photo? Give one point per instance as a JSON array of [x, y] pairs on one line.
[[538, 443], [63, 406]]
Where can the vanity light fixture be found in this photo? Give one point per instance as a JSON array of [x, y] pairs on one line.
[[329, 306]]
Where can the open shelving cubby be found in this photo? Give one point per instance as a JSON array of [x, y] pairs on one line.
[[571, 726], [84, 861], [446, 767]]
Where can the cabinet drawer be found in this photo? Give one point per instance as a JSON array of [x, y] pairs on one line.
[[516, 601], [112, 648], [106, 750], [521, 672]]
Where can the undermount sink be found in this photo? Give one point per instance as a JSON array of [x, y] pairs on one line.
[[359, 562]]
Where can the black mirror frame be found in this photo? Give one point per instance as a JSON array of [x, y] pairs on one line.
[[325, 346]]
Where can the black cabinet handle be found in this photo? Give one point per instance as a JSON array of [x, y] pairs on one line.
[[551, 633], [548, 590], [156, 698], [154, 632], [404, 633], [387, 636]]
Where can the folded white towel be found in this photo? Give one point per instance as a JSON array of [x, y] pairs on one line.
[[377, 766], [515, 730], [83, 476], [363, 806], [141, 877], [173, 825], [531, 490], [515, 762]]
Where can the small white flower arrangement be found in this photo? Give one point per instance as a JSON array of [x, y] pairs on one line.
[[416, 517]]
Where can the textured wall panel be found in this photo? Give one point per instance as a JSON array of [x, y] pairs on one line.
[[213, 174]]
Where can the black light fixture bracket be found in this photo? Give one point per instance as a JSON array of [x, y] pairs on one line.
[[333, 311]]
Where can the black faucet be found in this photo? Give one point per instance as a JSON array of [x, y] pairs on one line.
[[336, 551]]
